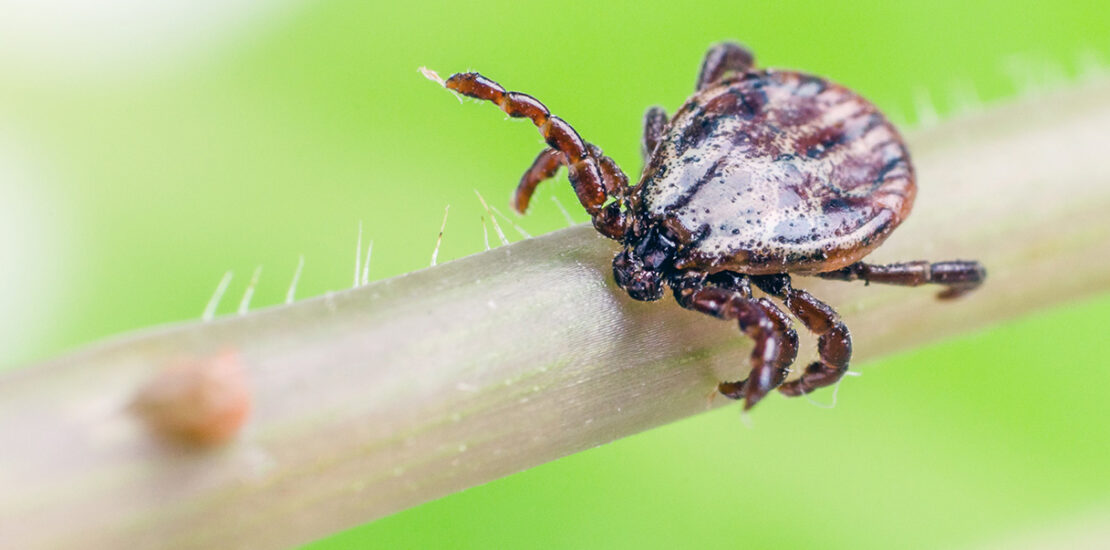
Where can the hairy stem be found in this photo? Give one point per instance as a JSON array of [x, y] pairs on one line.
[[366, 402]]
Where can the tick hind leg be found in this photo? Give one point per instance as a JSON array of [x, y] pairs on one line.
[[834, 342], [959, 277], [775, 342], [721, 59], [594, 177]]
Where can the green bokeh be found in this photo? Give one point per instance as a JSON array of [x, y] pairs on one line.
[[278, 142]]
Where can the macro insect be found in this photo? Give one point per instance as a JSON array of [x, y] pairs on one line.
[[761, 174]]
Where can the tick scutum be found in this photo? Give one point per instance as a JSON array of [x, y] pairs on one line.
[[783, 171]]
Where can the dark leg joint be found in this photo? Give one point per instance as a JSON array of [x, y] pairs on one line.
[[611, 221], [775, 285], [835, 349]]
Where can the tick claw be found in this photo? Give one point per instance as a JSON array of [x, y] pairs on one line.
[[731, 390], [710, 398], [752, 395]]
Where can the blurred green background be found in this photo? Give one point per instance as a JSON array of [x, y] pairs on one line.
[[145, 149]]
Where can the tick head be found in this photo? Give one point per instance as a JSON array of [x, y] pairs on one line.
[[639, 269], [639, 281]]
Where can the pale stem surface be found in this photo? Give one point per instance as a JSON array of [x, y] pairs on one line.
[[373, 400]]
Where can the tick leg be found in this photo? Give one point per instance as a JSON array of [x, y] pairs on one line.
[[722, 59], [834, 343], [584, 169], [547, 163], [788, 335], [775, 342], [613, 179], [543, 168], [760, 382], [655, 121], [960, 277], [612, 220]]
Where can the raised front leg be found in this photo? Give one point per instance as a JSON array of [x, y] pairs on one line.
[[655, 122], [775, 342], [960, 277], [545, 166], [721, 59], [591, 175]]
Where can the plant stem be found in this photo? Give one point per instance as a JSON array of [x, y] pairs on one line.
[[372, 400]]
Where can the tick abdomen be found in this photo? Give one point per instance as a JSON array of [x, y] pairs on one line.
[[777, 171]]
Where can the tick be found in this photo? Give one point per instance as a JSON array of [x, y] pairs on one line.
[[760, 175]]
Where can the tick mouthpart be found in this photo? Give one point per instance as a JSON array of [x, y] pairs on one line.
[[641, 284], [656, 249]]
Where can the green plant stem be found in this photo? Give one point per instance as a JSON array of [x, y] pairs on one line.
[[373, 400]]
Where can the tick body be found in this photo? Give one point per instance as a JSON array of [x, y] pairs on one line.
[[759, 175], [777, 171]]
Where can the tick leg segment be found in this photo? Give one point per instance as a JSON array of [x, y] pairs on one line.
[[775, 343], [960, 277], [760, 382], [543, 168], [789, 337], [546, 165], [612, 177], [722, 59], [655, 121], [834, 343], [585, 170], [612, 220]]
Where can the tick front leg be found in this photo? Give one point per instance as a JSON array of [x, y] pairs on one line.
[[721, 59], [585, 173], [760, 382], [655, 121], [590, 176], [547, 164], [960, 277], [543, 168], [775, 342]]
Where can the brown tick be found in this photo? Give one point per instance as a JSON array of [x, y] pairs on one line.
[[761, 174]]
